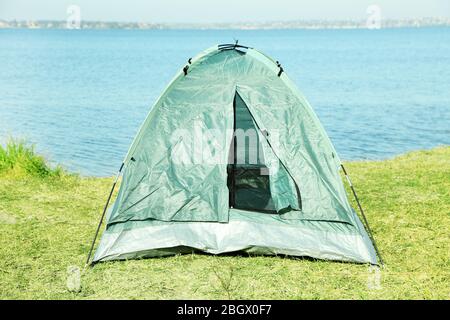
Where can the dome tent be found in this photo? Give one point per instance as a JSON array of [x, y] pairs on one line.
[[190, 184]]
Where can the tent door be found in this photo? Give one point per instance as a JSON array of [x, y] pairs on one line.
[[251, 182], [248, 179]]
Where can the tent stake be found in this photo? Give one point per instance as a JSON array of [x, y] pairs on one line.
[[103, 214], [363, 215]]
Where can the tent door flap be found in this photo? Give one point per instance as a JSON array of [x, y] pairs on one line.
[[252, 181]]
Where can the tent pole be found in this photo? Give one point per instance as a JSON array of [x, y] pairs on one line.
[[103, 214], [363, 215]]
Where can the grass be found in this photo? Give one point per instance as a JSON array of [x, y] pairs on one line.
[[48, 217], [20, 159]]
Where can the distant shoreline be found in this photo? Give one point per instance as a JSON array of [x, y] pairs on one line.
[[272, 25]]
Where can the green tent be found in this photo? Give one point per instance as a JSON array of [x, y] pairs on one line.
[[232, 158]]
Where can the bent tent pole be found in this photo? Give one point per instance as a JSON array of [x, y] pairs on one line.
[[103, 214], [369, 231]]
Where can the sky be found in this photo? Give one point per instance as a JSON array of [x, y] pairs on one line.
[[209, 11]]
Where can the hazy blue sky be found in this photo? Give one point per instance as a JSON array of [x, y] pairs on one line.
[[199, 11]]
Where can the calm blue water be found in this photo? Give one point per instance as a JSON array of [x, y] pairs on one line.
[[80, 95]]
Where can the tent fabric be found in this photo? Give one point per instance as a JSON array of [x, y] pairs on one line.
[[177, 195], [264, 234]]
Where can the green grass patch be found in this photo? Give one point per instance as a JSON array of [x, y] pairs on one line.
[[19, 159], [47, 222]]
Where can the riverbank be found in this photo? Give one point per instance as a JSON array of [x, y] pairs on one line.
[[47, 221]]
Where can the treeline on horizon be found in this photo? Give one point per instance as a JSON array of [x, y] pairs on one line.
[[300, 24]]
